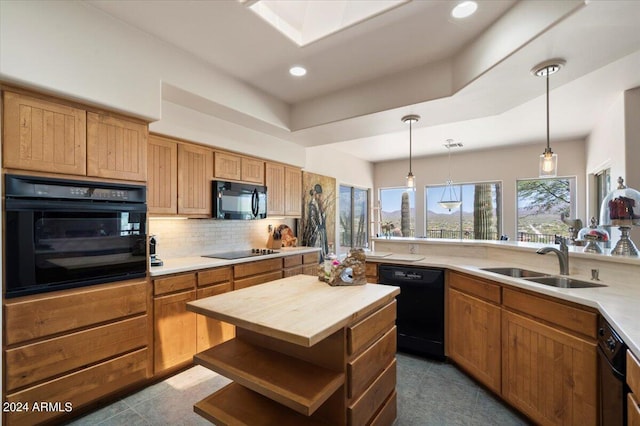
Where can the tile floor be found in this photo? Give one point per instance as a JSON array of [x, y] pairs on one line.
[[429, 393]]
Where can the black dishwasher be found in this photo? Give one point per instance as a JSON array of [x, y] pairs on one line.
[[420, 317]]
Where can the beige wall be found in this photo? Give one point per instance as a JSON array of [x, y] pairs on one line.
[[505, 164]]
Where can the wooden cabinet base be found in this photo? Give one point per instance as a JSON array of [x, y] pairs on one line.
[[547, 374], [79, 388], [277, 381]]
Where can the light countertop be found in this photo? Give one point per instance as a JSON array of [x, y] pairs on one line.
[[298, 309], [193, 263], [618, 302]]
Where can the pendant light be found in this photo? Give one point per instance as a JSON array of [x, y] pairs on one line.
[[449, 199], [411, 179], [548, 166]]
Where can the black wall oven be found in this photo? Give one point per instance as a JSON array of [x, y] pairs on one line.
[[63, 234]]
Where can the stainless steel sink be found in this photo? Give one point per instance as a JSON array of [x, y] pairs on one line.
[[564, 282], [515, 272]]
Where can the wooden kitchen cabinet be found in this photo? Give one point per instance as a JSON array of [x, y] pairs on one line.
[[274, 180], [547, 373], [162, 176], [473, 328], [78, 346], [174, 328], [211, 332], [195, 172], [292, 192], [252, 170], [116, 147], [371, 272], [633, 397], [253, 273], [227, 166], [43, 136], [284, 184], [280, 377], [310, 263], [291, 265]]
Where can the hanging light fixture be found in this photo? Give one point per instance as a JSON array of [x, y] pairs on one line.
[[411, 179], [548, 160], [449, 199]]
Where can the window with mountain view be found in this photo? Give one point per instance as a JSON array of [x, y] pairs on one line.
[[478, 217], [542, 203], [397, 212]]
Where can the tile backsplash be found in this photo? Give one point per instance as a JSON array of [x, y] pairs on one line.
[[195, 237]]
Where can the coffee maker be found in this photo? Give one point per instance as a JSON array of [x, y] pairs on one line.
[[153, 258]]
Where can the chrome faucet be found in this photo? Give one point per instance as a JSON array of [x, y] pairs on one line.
[[563, 255]]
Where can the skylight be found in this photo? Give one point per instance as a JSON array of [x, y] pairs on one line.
[[306, 21]]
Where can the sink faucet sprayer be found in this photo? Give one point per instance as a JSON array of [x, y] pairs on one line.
[[563, 255]]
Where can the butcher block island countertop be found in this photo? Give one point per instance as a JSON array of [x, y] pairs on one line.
[[304, 353]]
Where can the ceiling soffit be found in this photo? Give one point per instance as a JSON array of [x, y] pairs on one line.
[[516, 28]]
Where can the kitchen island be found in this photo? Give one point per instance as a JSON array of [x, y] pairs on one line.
[[304, 353]]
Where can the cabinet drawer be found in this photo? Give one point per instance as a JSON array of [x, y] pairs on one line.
[[475, 287], [38, 361], [81, 387], [43, 315], [255, 280], [290, 261], [362, 371], [173, 284], [361, 334], [564, 316], [633, 410], [633, 373], [290, 272], [388, 413], [360, 412], [309, 258], [213, 276], [253, 268]]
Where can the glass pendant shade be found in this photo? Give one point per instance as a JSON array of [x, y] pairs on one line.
[[411, 181], [548, 164], [449, 199], [548, 160]]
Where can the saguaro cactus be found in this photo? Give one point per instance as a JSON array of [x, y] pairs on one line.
[[482, 212], [405, 216]]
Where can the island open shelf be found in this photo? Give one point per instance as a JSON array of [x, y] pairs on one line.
[[304, 353], [273, 374]]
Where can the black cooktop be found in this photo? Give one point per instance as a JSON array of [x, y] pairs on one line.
[[239, 254]]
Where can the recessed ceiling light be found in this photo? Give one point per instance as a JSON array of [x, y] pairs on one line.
[[297, 71], [464, 9]]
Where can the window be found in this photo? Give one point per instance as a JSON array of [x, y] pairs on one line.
[[397, 212], [541, 204], [603, 187], [354, 205], [478, 217]]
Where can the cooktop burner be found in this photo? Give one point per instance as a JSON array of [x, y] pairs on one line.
[[239, 254]]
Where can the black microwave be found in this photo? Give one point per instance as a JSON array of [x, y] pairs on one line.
[[62, 234], [236, 200]]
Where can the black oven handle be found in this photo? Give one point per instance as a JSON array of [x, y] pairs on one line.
[[15, 204]]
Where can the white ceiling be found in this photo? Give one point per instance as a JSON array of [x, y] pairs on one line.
[[468, 79]]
